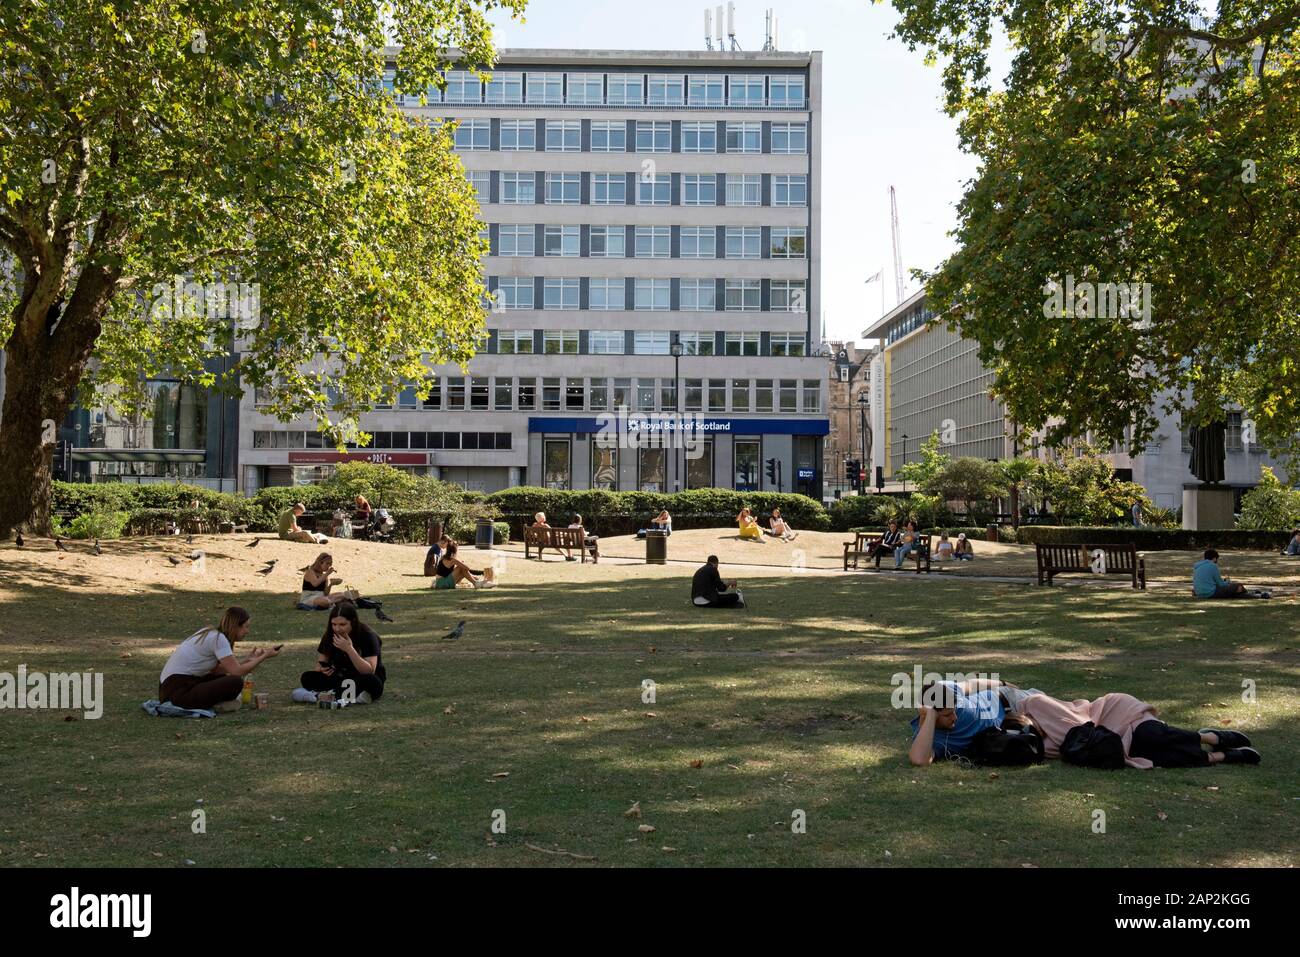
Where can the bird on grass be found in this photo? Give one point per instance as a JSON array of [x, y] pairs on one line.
[[270, 567], [379, 613], [98, 550], [455, 633], [58, 543], [19, 540], [189, 539], [173, 559], [253, 543]]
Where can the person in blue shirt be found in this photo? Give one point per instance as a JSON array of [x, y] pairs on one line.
[[1293, 547], [950, 716], [1208, 581]]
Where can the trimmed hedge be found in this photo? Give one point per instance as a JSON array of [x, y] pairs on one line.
[[1154, 539], [1006, 534]]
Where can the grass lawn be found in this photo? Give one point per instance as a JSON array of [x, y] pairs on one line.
[[538, 712]]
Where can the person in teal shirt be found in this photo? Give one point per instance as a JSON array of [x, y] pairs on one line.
[[1208, 581]]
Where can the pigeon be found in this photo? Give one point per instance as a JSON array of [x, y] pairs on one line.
[[19, 540], [379, 613], [58, 543], [189, 539], [270, 563], [455, 633], [173, 559], [267, 570], [253, 543], [98, 550], [195, 555]]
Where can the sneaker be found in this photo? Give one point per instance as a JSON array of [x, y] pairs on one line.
[[569, 558], [491, 584], [1241, 756], [303, 696], [364, 698], [1227, 739]]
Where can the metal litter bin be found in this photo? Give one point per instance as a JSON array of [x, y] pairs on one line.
[[656, 548], [483, 533], [991, 533]]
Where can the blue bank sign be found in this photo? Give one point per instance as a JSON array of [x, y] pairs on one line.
[[668, 422]]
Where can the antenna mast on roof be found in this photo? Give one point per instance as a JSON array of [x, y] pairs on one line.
[[771, 40], [731, 25]]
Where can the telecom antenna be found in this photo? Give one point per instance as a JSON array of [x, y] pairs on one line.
[[719, 24], [708, 29], [731, 25], [898, 255]]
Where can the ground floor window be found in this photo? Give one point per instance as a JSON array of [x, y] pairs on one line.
[[604, 467], [651, 471], [555, 464], [699, 471], [747, 455]]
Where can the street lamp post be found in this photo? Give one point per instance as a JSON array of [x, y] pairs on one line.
[[863, 402], [676, 350], [904, 460]]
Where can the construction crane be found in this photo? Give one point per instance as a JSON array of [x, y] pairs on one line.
[[898, 254]]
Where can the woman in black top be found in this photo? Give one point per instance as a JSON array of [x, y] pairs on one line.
[[348, 651], [316, 585]]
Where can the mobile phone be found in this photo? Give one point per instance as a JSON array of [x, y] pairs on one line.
[[277, 647]]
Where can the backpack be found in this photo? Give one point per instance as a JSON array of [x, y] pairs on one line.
[[995, 747], [1090, 746]]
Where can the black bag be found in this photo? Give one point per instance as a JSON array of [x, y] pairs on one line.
[[1090, 746], [994, 747]]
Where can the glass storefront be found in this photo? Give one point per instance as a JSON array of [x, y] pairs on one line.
[[699, 471], [652, 470], [604, 467], [747, 474], [555, 464]]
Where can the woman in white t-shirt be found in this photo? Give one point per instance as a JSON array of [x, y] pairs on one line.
[[203, 672]]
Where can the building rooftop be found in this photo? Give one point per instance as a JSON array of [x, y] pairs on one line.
[[873, 331], [684, 58]]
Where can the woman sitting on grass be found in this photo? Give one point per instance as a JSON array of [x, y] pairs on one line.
[[964, 551], [203, 673], [750, 530], [450, 571], [348, 651], [780, 528], [316, 585], [943, 551], [1293, 547]]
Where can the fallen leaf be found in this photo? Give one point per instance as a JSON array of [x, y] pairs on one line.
[[1161, 815], [584, 720], [697, 763], [125, 654], [669, 850], [643, 828], [501, 774], [993, 776], [634, 811], [307, 839], [450, 709], [650, 714]]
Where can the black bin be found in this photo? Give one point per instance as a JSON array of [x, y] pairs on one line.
[[656, 548], [483, 533]]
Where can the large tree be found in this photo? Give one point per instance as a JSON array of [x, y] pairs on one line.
[[1130, 143], [228, 141]]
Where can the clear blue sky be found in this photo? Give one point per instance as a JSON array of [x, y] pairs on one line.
[[884, 125]]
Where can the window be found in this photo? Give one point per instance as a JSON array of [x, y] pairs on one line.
[[706, 90], [588, 88], [505, 88], [562, 240], [551, 395], [654, 190], [666, 90], [789, 137], [599, 393], [652, 469], [622, 393], [645, 395], [563, 136], [786, 91], [609, 137], [787, 343], [812, 395], [527, 394], [604, 465], [789, 393], [698, 242], [745, 91], [747, 474], [511, 342], [625, 89], [697, 343], [407, 399], [699, 295], [744, 242], [608, 295], [481, 180], [608, 241], [434, 401], [699, 137], [555, 463], [699, 467], [479, 391], [744, 190], [463, 87], [740, 395], [762, 395], [560, 342], [653, 242], [789, 295], [654, 137], [456, 392], [518, 135], [560, 294], [789, 190], [700, 189], [563, 188], [1232, 438], [668, 393], [575, 395], [545, 87], [655, 294], [740, 343], [516, 241], [518, 188], [503, 391], [473, 135], [744, 137], [789, 243], [515, 292], [694, 395], [603, 342], [651, 344], [609, 189], [743, 294], [717, 395]]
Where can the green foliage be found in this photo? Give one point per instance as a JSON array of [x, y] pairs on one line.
[[1152, 539], [854, 511], [1270, 504], [1083, 490], [98, 525], [931, 464], [970, 481]]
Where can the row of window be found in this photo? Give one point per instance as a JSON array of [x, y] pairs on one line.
[[630, 136], [647, 343], [650, 242], [652, 466], [638, 189], [386, 440], [654, 295], [552, 88]]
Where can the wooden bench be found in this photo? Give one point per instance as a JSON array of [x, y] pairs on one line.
[[1055, 560], [559, 539], [864, 543]]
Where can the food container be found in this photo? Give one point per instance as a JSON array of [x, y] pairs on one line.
[[325, 699], [261, 700]]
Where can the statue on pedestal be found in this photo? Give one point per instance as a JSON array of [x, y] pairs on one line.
[[1209, 446]]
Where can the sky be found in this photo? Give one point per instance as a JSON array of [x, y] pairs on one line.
[[883, 126]]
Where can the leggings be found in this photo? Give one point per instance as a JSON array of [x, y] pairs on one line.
[[1167, 747], [200, 691], [315, 681]]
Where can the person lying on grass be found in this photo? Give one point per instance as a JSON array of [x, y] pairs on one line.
[[348, 651], [450, 571], [952, 713], [203, 672]]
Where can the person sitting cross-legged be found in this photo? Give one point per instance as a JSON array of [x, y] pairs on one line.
[[1209, 582], [203, 672], [963, 550], [289, 530], [348, 651], [708, 590]]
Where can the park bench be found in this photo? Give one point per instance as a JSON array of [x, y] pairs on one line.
[[864, 542], [559, 539], [1055, 560]]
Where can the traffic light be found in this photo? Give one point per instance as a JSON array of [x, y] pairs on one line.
[[880, 477], [771, 471], [850, 470], [61, 465]]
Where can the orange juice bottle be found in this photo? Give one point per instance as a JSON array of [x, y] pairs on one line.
[[247, 696]]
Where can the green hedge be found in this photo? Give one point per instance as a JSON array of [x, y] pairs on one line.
[[978, 533], [855, 511], [1153, 539]]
